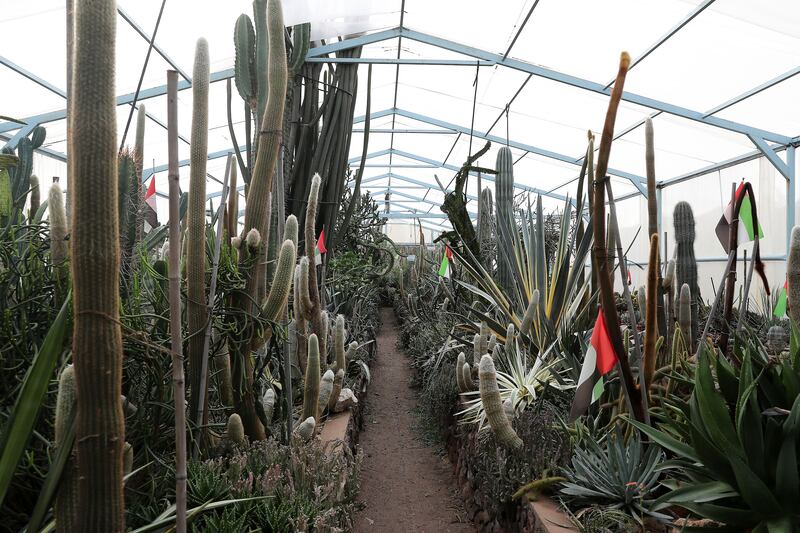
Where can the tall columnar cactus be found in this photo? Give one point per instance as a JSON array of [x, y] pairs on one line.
[[338, 343], [338, 382], [493, 406], [652, 215], [95, 261], [59, 246], [128, 207], [486, 228], [313, 307], [196, 306], [66, 505], [509, 344], [138, 158], [476, 348], [325, 391], [484, 331], [685, 263], [793, 276], [504, 206], [460, 361], [685, 316], [35, 197], [651, 311], [257, 215], [282, 282], [312, 377], [466, 376], [301, 325], [232, 207]]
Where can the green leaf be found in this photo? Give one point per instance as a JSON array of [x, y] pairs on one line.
[[716, 418], [753, 489], [748, 418], [695, 492], [730, 516], [674, 445], [26, 409]]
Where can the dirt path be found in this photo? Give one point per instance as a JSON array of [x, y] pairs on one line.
[[405, 484]]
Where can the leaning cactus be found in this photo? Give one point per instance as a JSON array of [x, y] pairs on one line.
[[793, 276], [777, 340], [338, 382], [685, 263], [66, 505], [281, 283], [301, 325], [306, 428], [312, 304], [95, 259], [196, 307], [493, 406], [311, 385], [338, 343], [325, 391], [685, 316], [504, 206], [235, 430]]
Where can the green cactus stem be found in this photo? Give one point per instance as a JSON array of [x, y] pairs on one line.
[[138, 159], [509, 344], [350, 354], [305, 430], [504, 218], [313, 307], [793, 276], [95, 261], [484, 331], [59, 246], [35, 197], [312, 378], [282, 282], [493, 406], [530, 312], [476, 348], [323, 337], [196, 305], [641, 296], [652, 215], [685, 316], [651, 312], [301, 325], [486, 229], [325, 391], [338, 343], [235, 430], [491, 344], [301, 40], [338, 383], [66, 504], [685, 263], [466, 376]]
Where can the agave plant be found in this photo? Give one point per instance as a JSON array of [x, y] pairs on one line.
[[737, 441], [520, 386], [618, 474], [560, 278]]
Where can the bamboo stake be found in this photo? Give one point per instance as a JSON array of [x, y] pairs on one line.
[[212, 296], [175, 301]]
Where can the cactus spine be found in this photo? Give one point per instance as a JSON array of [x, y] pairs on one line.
[[196, 306], [325, 391], [685, 316], [311, 385], [258, 212], [66, 504], [493, 406], [504, 206], [793, 276], [338, 343], [97, 338], [651, 311], [685, 263]]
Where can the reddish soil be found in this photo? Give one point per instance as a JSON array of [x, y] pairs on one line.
[[405, 484]]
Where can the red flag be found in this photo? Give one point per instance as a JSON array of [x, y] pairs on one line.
[[600, 358], [151, 209], [321, 242]]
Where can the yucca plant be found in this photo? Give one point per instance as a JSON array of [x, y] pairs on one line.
[[560, 278], [618, 474], [736, 440]]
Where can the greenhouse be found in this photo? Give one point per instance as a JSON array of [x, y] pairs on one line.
[[307, 265]]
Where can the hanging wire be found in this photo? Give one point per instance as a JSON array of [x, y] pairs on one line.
[[141, 76], [472, 121]]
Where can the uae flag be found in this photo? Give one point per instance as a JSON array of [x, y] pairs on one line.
[[150, 206], [444, 268], [599, 360], [321, 249], [746, 227], [780, 305]]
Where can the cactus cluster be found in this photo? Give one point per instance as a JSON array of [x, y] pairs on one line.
[[685, 263]]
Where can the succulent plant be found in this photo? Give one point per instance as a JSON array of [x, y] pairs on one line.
[[95, 258], [530, 312], [196, 306], [234, 430], [338, 343], [651, 311], [66, 504], [460, 361], [509, 344], [338, 382], [486, 229], [127, 458], [504, 206], [281, 283], [306, 428], [59, 247], [476, 348], [312, 377], [466, 377], [685, 316], [685, 263], [325, 391], [35, 197], [493, 405], [268, 402], [777, 340]]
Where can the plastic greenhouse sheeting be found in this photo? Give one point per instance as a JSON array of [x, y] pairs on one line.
[[735, 60]]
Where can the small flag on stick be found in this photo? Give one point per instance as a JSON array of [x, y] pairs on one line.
[[600, 358], [151, 207], [746, 228], [444, 268], [780, 305], [321, 249]]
